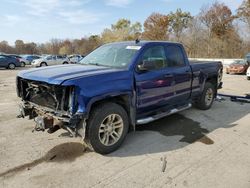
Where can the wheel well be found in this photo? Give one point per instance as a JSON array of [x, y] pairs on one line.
[[122, 100], [43, 62], [212, 80]]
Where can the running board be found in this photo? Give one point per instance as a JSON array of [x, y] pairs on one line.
[[164, 114]]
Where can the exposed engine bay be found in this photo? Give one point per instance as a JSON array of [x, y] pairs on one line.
[[51, 106], [55, 97]]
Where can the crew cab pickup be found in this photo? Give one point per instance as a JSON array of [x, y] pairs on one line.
[[116, 87]]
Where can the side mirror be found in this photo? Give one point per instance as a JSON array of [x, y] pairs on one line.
[[147, 65]]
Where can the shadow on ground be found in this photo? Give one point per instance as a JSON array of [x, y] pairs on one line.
[[167, 134], [179, 125], [177, 131], [66, 152]]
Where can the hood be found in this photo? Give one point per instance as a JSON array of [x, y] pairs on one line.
[[60, 73]]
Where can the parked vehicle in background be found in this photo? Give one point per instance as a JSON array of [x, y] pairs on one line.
[[114, 88], [31, 58], [75, 58], [9, 62], [21, 59], [248, 73], [50, 60], [237, 67], [248, 58]]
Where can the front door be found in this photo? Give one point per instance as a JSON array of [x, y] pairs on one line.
[[155, 88]]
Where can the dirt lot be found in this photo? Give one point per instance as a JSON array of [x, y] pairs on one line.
[[191, 149]]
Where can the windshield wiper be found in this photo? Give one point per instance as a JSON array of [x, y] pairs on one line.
[[96, 64]]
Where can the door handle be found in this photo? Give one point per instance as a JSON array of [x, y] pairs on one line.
[[168, 75]]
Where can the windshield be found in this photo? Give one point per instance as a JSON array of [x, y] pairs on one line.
[[111, 55]]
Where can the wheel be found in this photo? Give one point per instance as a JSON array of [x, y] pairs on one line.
[[248, 77], [11, 66], [22, 64], [65, 62], [227, 72], [207, 97], [107, 128], [43, 64]]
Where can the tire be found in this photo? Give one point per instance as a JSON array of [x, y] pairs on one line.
[[43, 64], [227, 72], [22, 64], [101, 127], [65, 62], [207, 97], [248, 77], [11, 66]]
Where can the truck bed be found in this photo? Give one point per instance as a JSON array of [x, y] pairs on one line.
[[207, 66]]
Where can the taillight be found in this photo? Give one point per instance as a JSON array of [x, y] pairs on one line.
[[18, 59]]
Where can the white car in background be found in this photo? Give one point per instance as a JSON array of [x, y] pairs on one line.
[[75, 58], [50, 60], [248, 73]]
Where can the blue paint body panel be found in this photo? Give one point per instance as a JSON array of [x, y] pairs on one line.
[[147, 92]]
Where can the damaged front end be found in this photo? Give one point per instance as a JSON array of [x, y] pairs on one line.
[[51, 106]]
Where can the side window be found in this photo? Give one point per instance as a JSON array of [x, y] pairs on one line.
[[175, 56], [157, 55], [49, 58]]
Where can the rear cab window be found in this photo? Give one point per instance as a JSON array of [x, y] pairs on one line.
[[174, 56]]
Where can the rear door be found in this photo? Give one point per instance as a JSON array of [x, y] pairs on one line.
[[53, 60], [155, 87], [181, 70], [59, 59]]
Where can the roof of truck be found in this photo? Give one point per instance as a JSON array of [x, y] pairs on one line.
[[144, 42]]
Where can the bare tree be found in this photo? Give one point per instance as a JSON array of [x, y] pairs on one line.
[[178, 21], [243, 12], [6, 48], [218, 19], [156, 27]]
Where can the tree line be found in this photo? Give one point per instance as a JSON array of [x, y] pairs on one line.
[[214, 33]]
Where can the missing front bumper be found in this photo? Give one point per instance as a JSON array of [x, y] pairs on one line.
[[47, 119]]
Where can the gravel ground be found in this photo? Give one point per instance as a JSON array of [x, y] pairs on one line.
[[190, 149]]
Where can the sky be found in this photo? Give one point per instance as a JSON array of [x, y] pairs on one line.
[[41, 20]]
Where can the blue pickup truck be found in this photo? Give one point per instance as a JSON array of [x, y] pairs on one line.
[[116, 87]]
